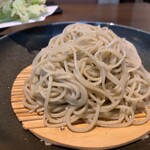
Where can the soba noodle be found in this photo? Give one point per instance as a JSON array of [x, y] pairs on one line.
[[88, 75]]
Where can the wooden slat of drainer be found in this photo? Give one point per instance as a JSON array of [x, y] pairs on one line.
[[98, 138], [29, 120]]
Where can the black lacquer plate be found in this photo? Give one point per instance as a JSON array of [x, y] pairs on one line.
[[18, 50]]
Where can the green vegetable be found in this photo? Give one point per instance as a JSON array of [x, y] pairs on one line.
[[36, 1], [35, 10], [21, 9], [5, 11]]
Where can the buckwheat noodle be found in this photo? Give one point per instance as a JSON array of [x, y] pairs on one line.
[[88, 75]]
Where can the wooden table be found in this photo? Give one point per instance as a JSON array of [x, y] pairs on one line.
[[130, 14]]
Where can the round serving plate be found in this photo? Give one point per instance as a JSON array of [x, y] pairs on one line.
[[18, 50]]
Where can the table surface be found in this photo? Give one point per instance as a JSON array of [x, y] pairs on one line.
[[130, 14]]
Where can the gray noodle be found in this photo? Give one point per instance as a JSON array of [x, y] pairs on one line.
[[88, 75]]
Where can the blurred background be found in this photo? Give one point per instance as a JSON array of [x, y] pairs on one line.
[[98, 1]]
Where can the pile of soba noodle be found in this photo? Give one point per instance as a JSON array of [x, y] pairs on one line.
[[88, 75]]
